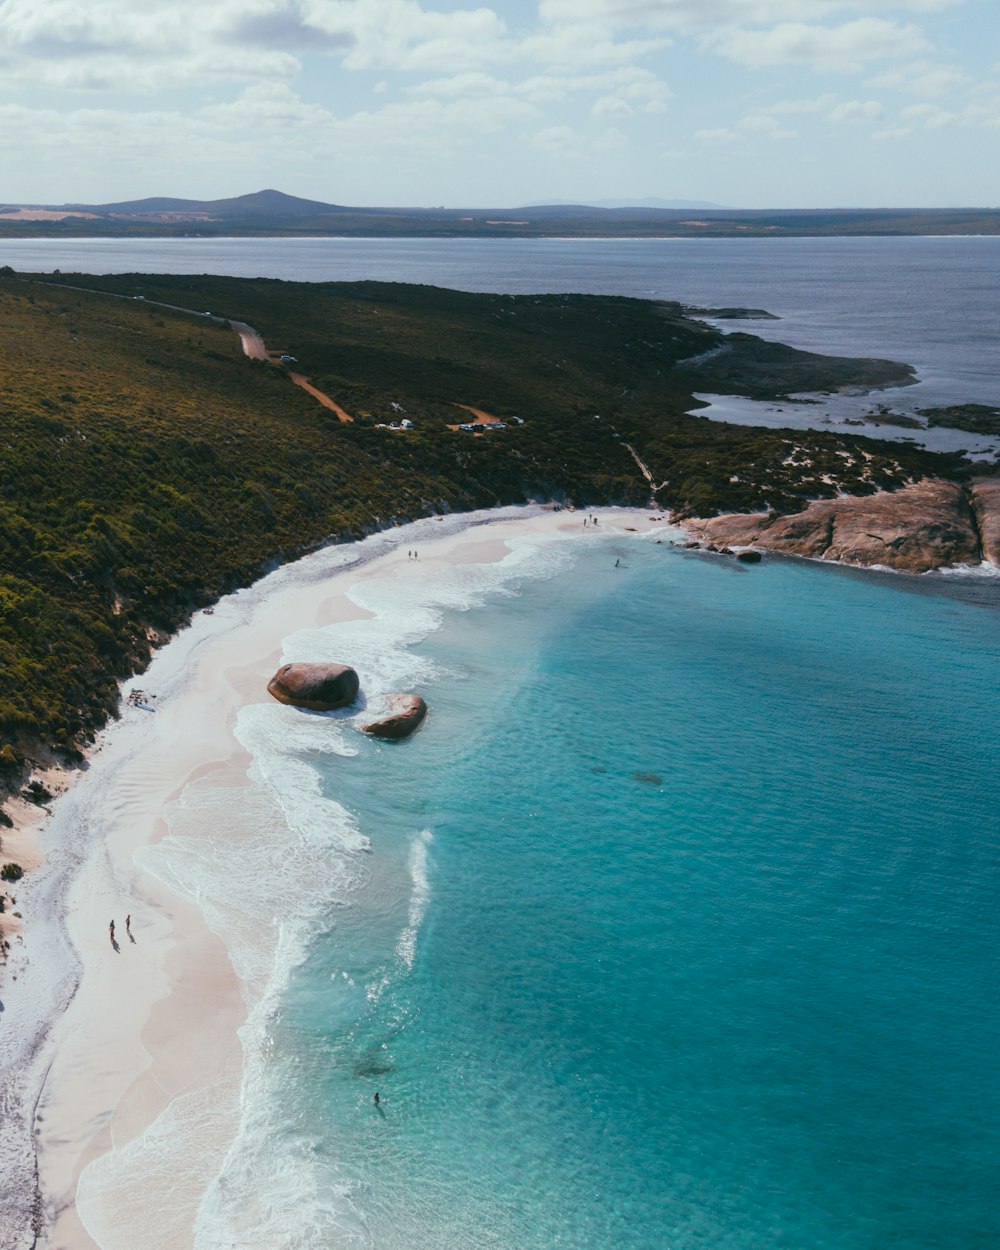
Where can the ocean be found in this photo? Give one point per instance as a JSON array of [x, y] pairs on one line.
[[673, 927], [675, 924]]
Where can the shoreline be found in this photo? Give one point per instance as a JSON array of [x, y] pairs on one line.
[[117, 1037], [112, 1044]]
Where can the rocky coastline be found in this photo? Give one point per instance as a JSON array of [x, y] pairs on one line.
[[931, 524]]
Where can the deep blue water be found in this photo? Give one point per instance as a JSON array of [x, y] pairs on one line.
[[678, 926]]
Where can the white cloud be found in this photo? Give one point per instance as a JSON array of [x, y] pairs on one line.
[[471, 83], [766, 126], [839, 49], [922, 78], [858, 111], [399, 34], [612, 106], [268, 106], [892, 134], [120, 44], [267, 127], [574, 46], [721, 134], [563, 143], [817, 104], [611, 140], [929, 116], [554, 140], [163, 42], [617, 92], [701, 14]]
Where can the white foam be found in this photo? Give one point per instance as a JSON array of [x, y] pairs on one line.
[[280, 859], [406, 947], [985, 569], [274, 1189]]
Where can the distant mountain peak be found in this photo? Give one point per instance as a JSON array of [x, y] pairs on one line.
[[266, 203]]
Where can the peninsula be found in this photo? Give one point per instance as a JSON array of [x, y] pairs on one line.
[[168, 438]]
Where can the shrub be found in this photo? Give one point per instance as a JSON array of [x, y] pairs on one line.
[[11, 872]]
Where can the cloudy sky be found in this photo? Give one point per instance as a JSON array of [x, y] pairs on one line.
[[745, 103]]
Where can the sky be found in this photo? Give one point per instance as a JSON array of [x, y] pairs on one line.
[[741, 103]]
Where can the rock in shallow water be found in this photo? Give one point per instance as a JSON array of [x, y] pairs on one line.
[[319, 687], [406, 713]]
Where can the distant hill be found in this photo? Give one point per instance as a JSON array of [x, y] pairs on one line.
[[273, 213], [267, 203]]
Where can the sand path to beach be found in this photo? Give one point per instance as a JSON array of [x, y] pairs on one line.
[[255, 348]]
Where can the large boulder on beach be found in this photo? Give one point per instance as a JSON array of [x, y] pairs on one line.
[[406, 711], [320, 687]]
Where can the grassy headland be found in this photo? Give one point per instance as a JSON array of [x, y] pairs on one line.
[[148, 466]]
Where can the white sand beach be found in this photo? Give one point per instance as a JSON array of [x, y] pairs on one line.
[[116, 1033]]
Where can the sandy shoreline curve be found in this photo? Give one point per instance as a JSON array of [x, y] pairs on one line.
[[98, 1039]]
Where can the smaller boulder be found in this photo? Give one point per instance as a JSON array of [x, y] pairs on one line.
[[319, 687], [406, 711], [748, 557]]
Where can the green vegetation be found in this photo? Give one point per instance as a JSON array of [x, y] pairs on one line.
[[975, 418], [11, 872], [149, 467]]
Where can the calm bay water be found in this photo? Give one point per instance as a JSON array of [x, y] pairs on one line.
[[675, 925]]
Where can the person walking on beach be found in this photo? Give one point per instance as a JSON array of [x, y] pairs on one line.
[[128, 927], [111, 934]]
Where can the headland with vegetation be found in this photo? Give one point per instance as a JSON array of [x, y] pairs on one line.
[[150, 466]]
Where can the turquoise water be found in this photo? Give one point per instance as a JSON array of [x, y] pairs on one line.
[[677, 926]]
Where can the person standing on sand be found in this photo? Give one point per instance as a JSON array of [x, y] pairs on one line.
[[111, 932], [128, 926]]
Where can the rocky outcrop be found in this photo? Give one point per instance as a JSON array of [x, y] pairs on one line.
[[320, 687], [730, 314], [985, 495], [931, 524], [745, 365], [406, 712]]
